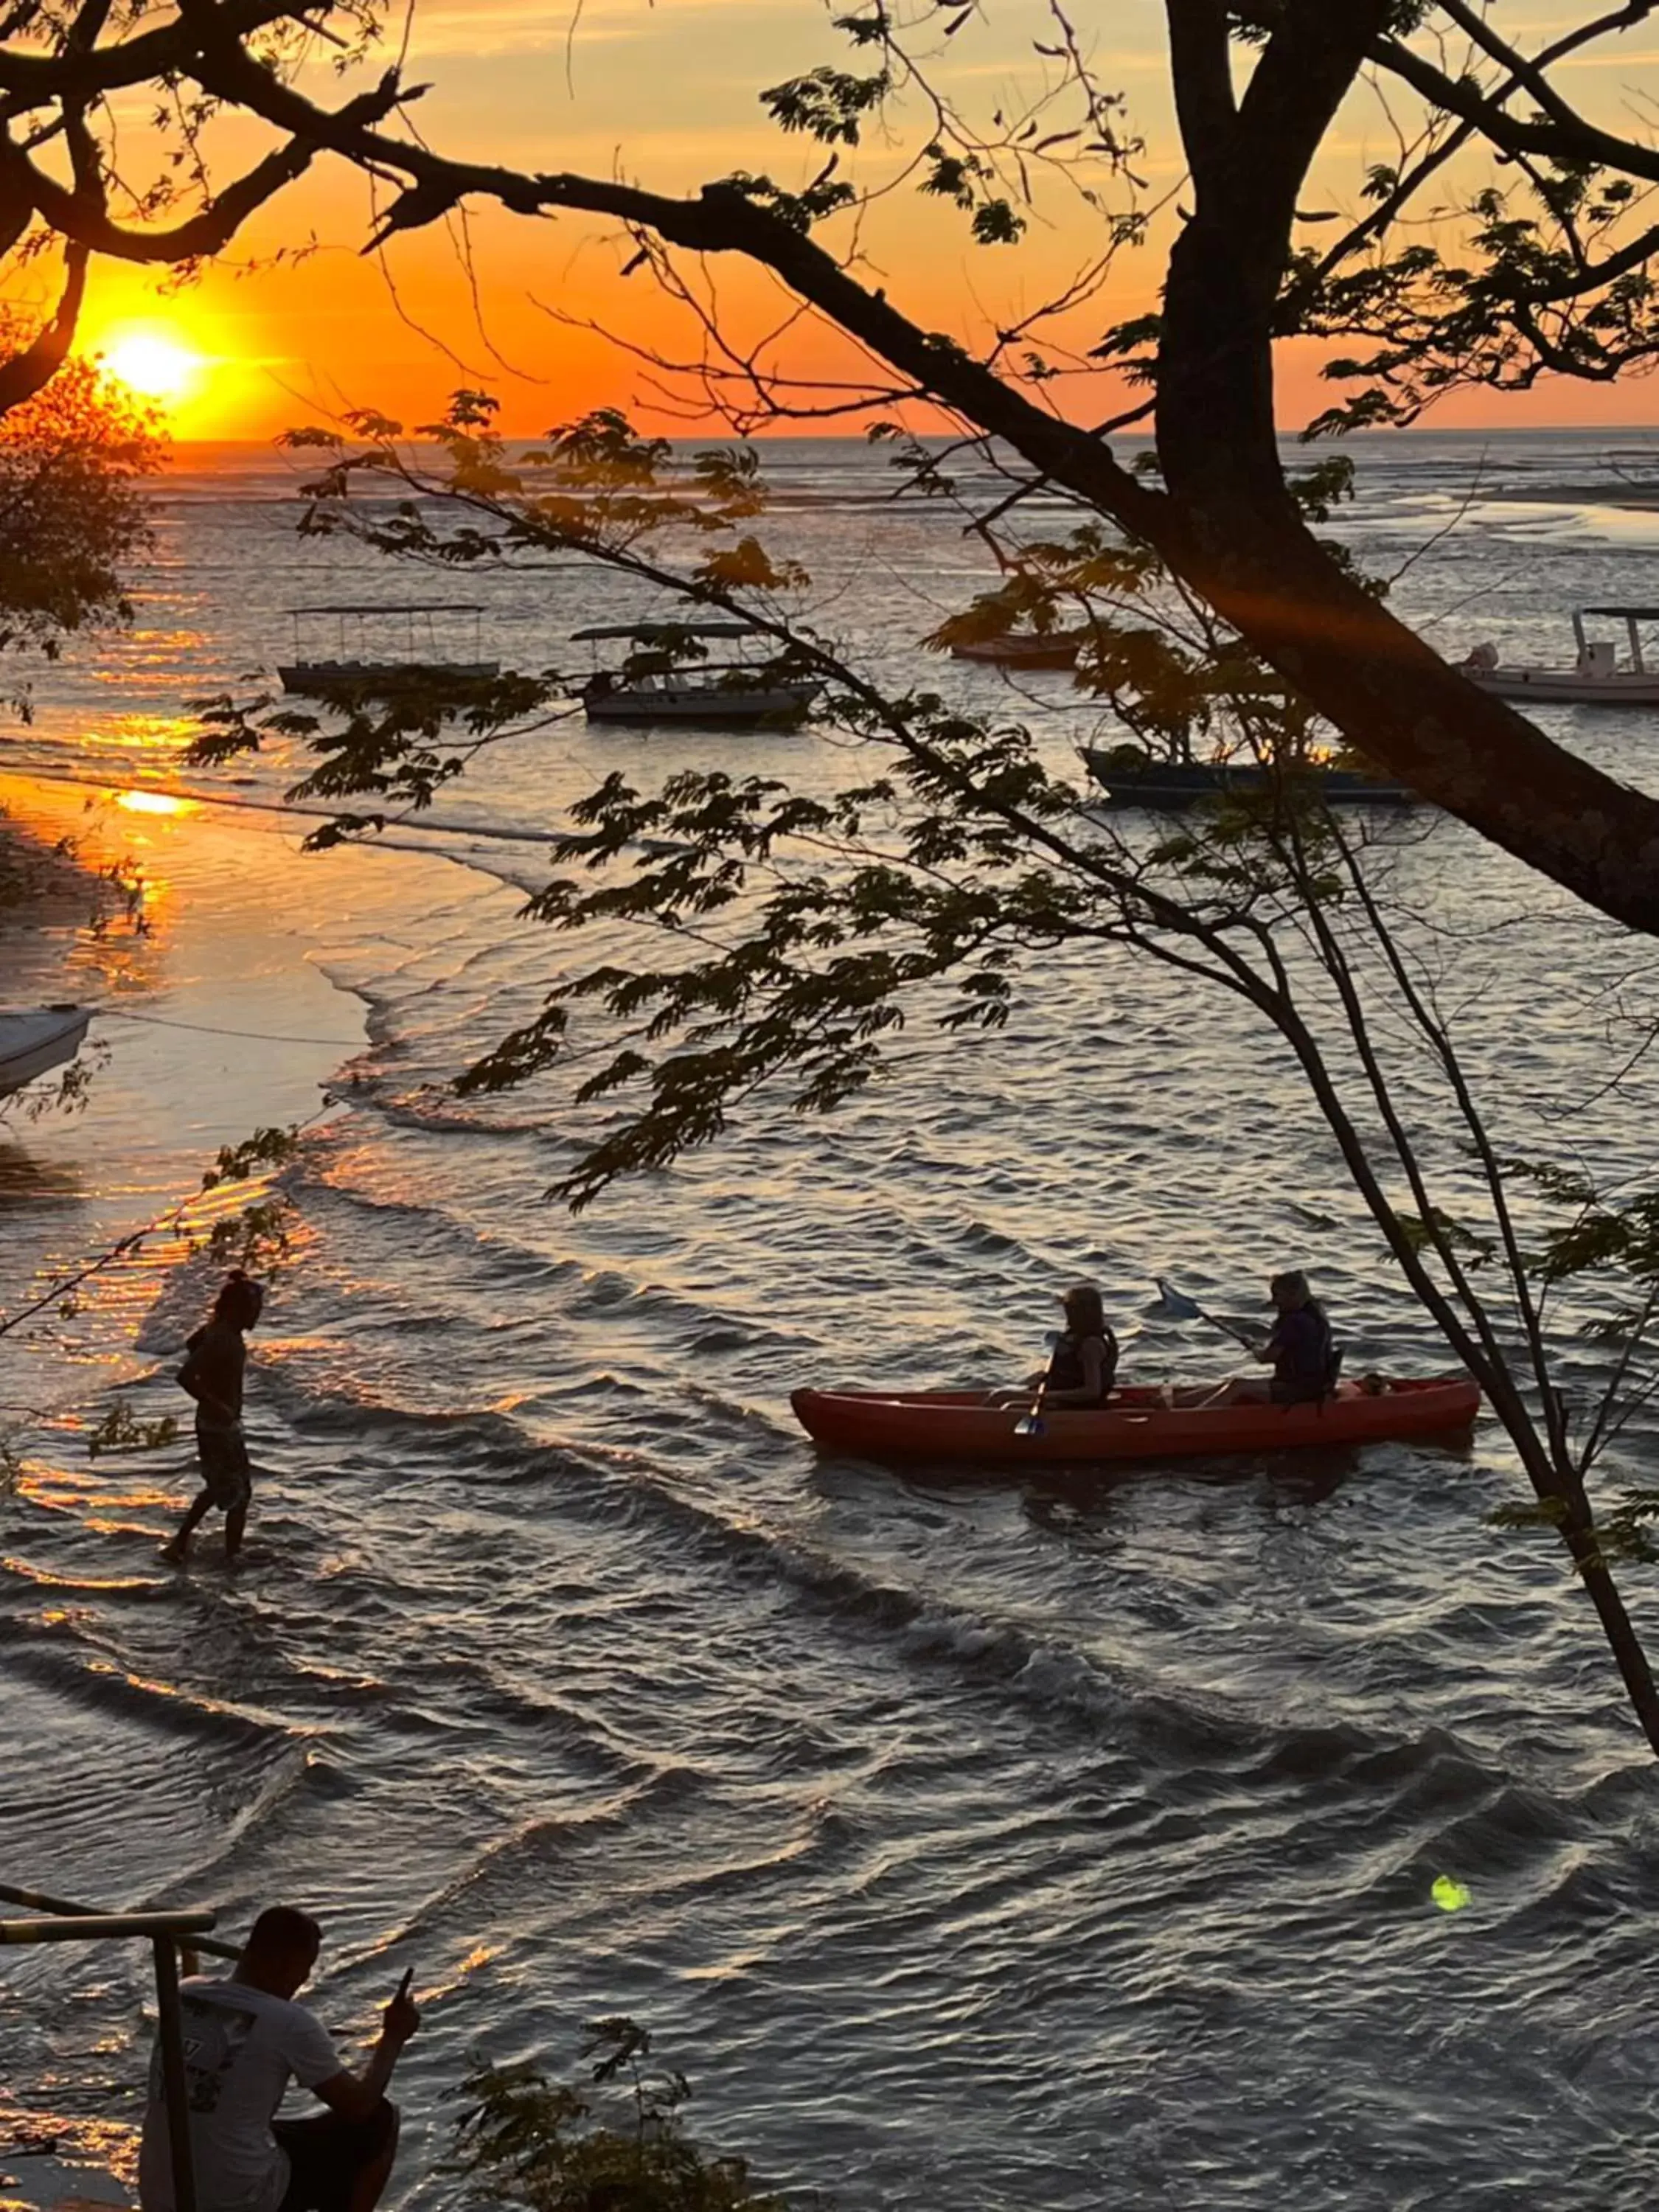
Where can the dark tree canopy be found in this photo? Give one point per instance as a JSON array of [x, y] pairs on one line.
[[71, 511]]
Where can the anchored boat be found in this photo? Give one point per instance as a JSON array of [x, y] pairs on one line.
[[1596, 678], [1130, 777], [979, 1428], [1023, 648], [668, 677], [36, 1040], [355, 664]]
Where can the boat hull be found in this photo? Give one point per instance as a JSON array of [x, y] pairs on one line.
[[1565, 687], [319, 679], [965, 1428], [1020, 652], [1169, 787], [32, 1044], [722, 709]]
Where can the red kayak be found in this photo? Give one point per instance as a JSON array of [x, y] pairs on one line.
[[972, 1427]]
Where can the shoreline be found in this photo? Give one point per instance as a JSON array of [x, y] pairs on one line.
[[45, 886], [212, 1018]]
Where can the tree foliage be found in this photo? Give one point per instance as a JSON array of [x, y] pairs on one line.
[[556, 2147], [72, 514]]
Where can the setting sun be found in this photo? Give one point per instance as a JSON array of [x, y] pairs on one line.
[[154, 366]]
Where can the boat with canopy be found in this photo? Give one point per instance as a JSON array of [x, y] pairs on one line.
[[362, 661], [1596, 679], [669, 676]]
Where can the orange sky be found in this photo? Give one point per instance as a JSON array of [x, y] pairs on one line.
[[665, 93]]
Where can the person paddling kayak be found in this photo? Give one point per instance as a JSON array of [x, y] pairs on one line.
[[1084, 1366], [1305, 1356]]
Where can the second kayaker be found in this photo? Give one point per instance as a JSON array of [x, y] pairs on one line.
[[1305, 1356]]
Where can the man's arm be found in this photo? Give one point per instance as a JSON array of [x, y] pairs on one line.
[[196, 1379], [354, 2096]]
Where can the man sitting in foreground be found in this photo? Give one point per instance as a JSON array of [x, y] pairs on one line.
[[244, 2036]]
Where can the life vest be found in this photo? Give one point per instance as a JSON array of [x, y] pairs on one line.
[[1307, 1371], [1066, 1370]]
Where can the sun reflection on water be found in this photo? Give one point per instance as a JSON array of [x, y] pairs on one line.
[[139, 733], [157, 802]]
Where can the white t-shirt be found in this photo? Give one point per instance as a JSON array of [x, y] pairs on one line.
[[241, 2046]]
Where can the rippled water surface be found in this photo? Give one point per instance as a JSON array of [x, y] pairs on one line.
[[1049, 1843]]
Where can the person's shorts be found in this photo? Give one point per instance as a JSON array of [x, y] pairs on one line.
[[1295, 1394], [226, 1475], [325, 2155]]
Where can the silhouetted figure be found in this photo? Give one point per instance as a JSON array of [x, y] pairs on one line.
[[1084, 1364], [217, 1358], [244, 2036], [1305, 1357]]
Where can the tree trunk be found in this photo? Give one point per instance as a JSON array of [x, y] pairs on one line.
[[1239, 539], [1622, 1639]]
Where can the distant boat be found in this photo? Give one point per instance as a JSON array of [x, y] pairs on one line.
[[1595, 679], [32, 1042], [1021, 649], [669, 679], [310, 675], [1129, 778]]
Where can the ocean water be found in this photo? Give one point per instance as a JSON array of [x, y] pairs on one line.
[[1049, 1843]]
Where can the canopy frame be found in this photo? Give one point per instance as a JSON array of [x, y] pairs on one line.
[[1631, 617], [407, 613]]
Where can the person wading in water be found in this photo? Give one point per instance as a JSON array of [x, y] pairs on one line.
[[212, 1373]]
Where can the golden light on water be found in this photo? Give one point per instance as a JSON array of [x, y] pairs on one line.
[[154, 802]]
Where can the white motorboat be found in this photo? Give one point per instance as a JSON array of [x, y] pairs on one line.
[[669, 677], [356, 665], [34, 1040], [1596, 678]]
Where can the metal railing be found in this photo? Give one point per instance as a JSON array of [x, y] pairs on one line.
[[166, 1933]]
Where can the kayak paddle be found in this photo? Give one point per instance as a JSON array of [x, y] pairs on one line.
[[1182, 1308], [1031, 1425]]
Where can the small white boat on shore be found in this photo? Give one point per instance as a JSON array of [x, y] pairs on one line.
[[668, 677], [1596, 678], [36, 1040]]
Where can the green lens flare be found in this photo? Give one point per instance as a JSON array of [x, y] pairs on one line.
[[1450, 1896]]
